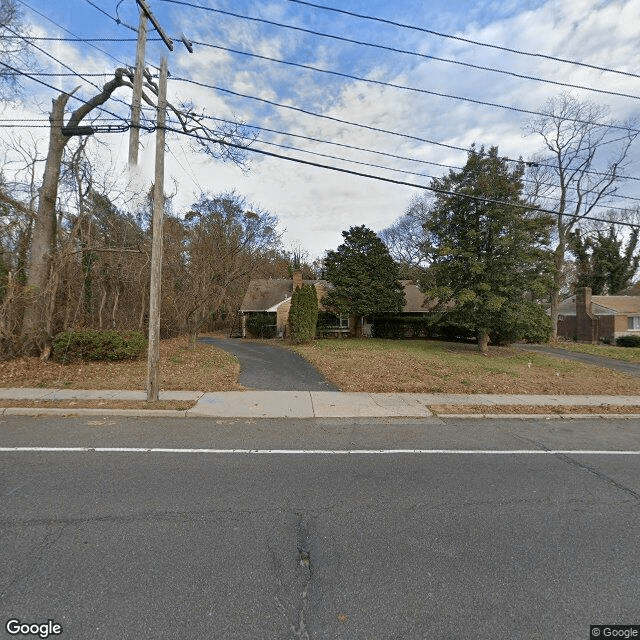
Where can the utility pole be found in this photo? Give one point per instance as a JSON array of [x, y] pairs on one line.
[[153, 359], [134, 133]]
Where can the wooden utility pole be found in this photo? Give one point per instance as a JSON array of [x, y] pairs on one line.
[[134, 132], [153, 360]]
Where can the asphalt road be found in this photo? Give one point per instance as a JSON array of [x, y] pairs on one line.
[[272, 368], [496, 537]]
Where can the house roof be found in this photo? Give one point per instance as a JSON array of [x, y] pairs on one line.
[[265, 295], [415, 299], [268, 294], [604, 305]]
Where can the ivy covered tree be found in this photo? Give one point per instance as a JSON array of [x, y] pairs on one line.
[[365, 278], [487, 247], [602, 262]]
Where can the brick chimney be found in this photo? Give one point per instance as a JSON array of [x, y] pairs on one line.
[[297, 280], [585, 321]]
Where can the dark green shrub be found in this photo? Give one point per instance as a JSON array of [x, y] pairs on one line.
[[394, 327], [446, 329], [521, 320], [303, 314], [76, 346], [628, 341], [262, 325]]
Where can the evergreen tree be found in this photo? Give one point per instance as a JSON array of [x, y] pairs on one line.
[[303, 313], [486, 250], [366, 280], [602, 262]]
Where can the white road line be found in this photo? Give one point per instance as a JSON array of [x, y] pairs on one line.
[[491, 452]]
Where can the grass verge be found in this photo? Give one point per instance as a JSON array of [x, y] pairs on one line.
[[203, 368], [444, 409], [421, 366]]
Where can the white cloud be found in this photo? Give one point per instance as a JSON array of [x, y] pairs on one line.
[[315, 205]]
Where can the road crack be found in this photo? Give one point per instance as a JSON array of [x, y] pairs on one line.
[[306, 567], [585, 467]]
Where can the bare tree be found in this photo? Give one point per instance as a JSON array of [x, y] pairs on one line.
[[583, 161], [214, 142], [405, 237], [14, 47], [223, 246]]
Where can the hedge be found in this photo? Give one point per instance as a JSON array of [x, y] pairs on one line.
[[628, 341], [394, 327], [76, 346], [262, 325]]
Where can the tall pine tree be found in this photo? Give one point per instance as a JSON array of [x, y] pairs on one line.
[[486, 244]]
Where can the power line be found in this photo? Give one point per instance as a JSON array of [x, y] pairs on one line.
[[64, 29], [46, 53], [58, 61], [316, 153], [393, 181], [386, 168], [467, 40], [74, 39], [58, 90], [116, 20], [355, 124], [403, 51], [412, 89]]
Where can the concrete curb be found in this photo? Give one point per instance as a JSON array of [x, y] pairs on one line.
[[170, 413]]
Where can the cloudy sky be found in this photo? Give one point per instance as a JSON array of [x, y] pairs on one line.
[[316, 84]]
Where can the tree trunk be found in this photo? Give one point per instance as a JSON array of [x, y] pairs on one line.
[[483, 341], [558, 281], [114, 309], [102, 303], [43, 236]]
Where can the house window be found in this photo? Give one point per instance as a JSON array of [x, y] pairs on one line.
[[633, 323]]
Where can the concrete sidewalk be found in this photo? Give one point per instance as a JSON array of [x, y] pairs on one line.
[[301, 404]]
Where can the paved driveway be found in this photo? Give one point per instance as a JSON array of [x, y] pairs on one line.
[[271, 368], [599, 361]]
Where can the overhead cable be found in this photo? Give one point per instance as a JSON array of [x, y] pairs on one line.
[[42, 15], [403, 51], [354, 124], [393, 181], [413, 89], [58, 90], [467, 40]]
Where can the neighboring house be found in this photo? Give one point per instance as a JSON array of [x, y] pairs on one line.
[[274, 297], [588, 318]]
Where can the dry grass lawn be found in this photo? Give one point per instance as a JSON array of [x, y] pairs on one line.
[[419, 366], [205, 368]]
